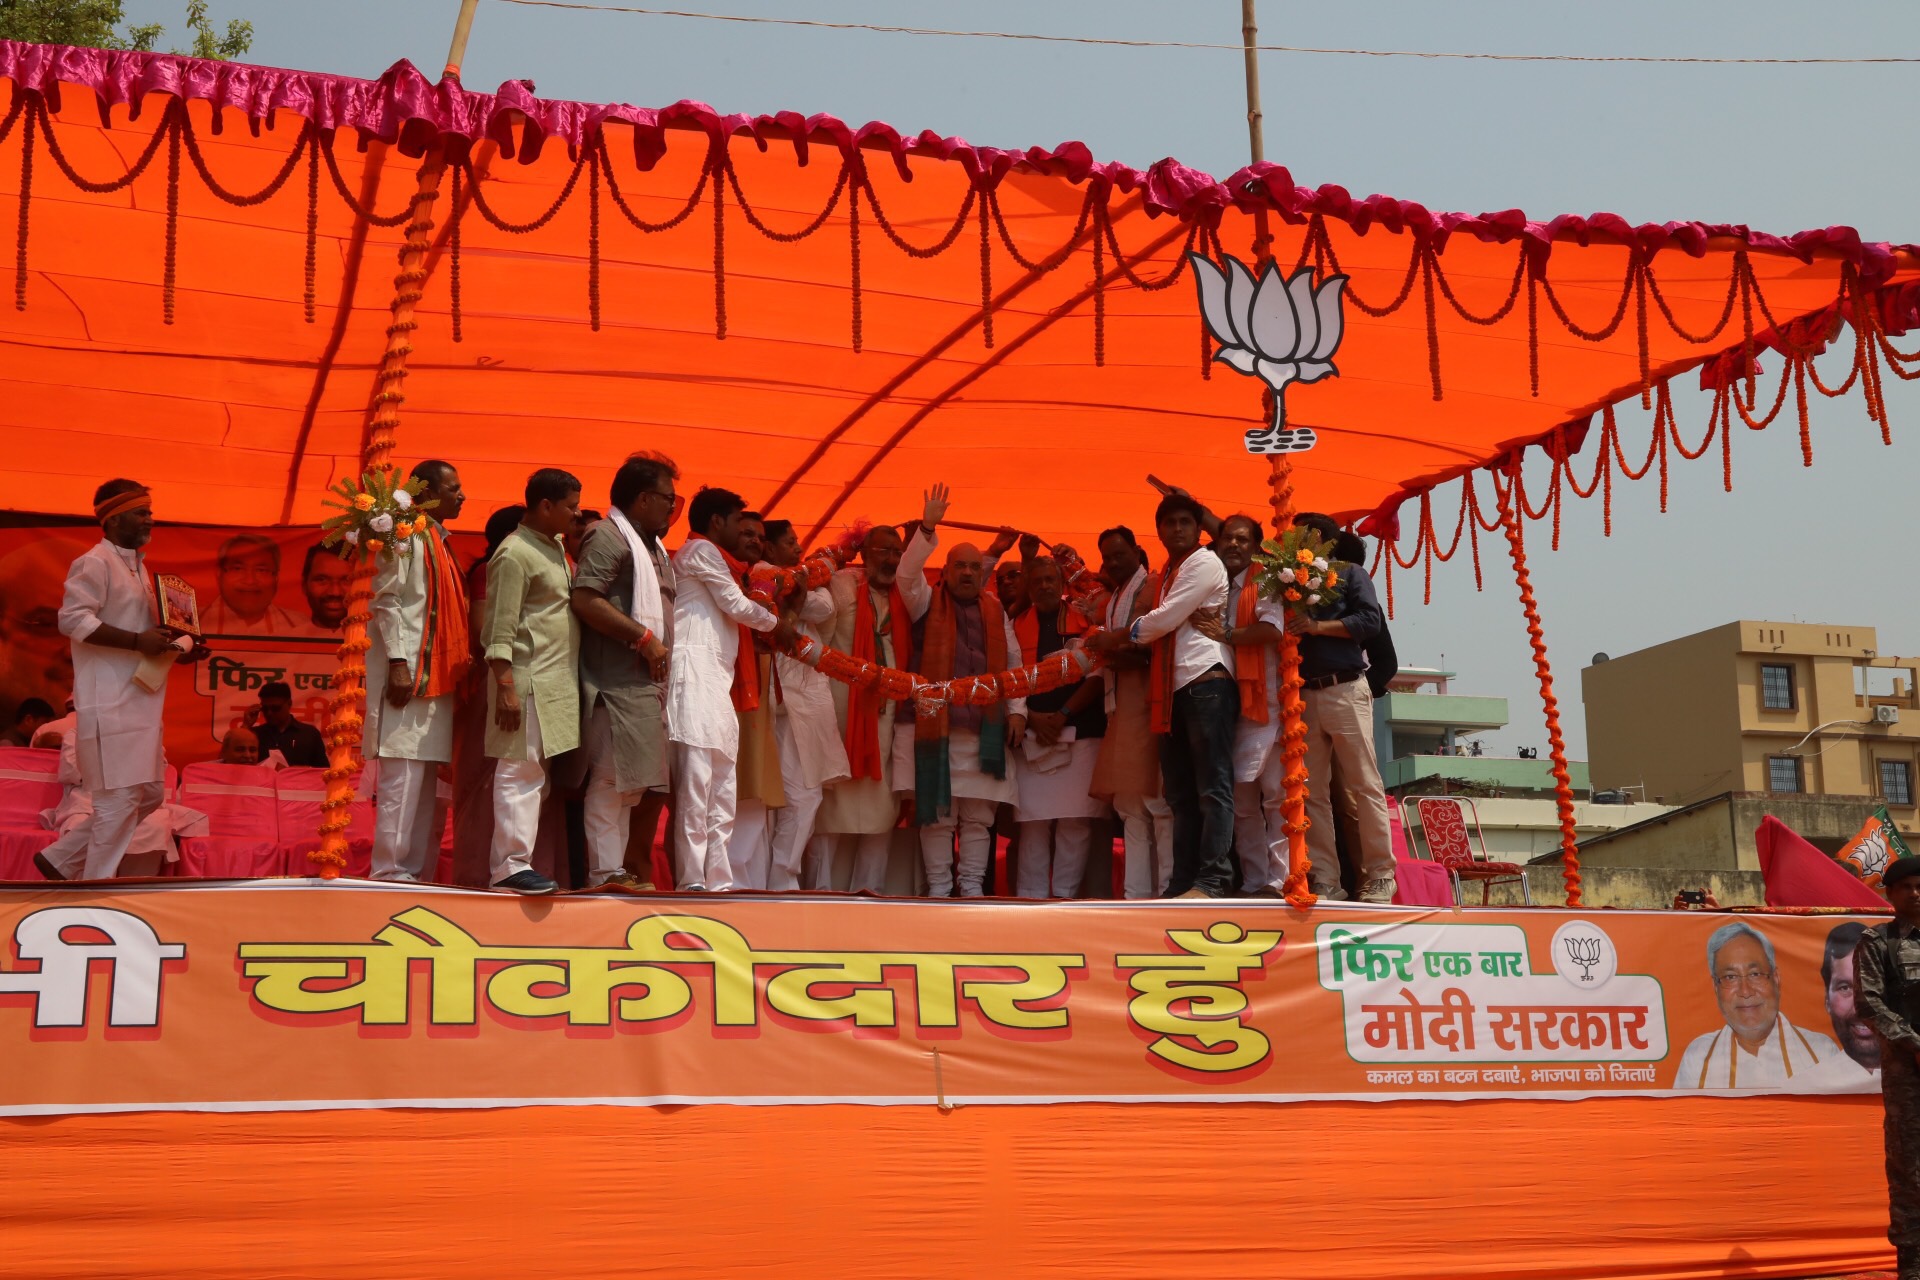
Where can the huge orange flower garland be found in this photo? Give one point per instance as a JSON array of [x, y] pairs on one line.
[[1293, 721], [347, 707], [1556, 743], [1068, 666]]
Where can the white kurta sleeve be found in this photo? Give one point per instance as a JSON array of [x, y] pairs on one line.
[[915, 590], [1015, 660], [701, 561], [88, 581], [396, 612], [818, 610]]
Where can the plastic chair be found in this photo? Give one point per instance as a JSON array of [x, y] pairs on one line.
[[243, 822], [300, 795], [29, 783], [1442, 822]]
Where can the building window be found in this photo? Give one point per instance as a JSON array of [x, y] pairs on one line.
[[1896, 782], [1783, 775], [1776, 687]]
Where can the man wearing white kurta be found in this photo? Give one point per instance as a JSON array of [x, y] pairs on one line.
[[1065, 729], [957, 795], [418, 657], [110, 615], [812, 756], [875, 607], [1128, 771], [1254, 626], [1758, 1048], [703, 722]]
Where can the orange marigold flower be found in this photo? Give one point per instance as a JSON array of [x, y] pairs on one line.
[[363, 501], [1303, 556], [1291, 594], [1333, 579], [374, 544]]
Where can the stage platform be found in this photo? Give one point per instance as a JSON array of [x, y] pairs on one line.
[[292, 1077]]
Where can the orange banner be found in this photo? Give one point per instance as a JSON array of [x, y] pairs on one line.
[[287, 995]]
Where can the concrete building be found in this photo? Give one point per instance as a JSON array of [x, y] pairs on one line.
[[1425, 736], [1780, 709]]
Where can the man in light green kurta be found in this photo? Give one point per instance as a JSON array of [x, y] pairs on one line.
[[532, 644]]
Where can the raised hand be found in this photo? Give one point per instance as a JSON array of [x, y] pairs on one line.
[[937, 500], [1002, 543]]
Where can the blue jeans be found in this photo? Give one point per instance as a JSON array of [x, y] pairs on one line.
[[1196, 777]]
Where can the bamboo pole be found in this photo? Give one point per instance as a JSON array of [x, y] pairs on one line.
[[462, 28], [1293, 724], [347, 706]]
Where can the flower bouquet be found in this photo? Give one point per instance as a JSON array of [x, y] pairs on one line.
[[379, 516], [1298, 569]]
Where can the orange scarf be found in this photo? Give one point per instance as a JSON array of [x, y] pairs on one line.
[[746, 667], [932, 767], [1160, 673], [863, 701], [445, 652], [1250, 660], [1026, 628]]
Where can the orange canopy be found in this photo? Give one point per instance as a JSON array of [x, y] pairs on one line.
[[824, 318]]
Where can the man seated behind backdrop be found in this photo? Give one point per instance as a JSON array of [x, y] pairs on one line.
[[28, 717], [298, 743]]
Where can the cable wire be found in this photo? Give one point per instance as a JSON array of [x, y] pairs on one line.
[[1433, 54]]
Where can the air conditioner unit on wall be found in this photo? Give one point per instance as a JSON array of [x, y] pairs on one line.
[[1886, 715]]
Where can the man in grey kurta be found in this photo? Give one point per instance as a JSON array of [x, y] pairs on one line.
[[1887, 990], [532, 644], [411, 678], [623, 592]]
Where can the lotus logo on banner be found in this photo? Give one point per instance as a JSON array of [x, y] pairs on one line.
[[1278, 330]]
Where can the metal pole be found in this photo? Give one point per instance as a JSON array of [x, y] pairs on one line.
[[463, 27], [1249, 39]]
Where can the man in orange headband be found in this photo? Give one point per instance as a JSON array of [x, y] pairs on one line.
[[419, 657], [112, 619]]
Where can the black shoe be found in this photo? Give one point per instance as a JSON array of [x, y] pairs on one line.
[[529, 882], [46, 868]]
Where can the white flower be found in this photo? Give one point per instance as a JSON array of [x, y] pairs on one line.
[[402, 499], [1286, 575], [382, 523], [1313, 599], [1320, 563], [351, 537]]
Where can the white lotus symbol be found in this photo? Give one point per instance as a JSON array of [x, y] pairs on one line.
[[1278, 330]]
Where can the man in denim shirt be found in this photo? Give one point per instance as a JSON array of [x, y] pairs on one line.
[[1333, 668]]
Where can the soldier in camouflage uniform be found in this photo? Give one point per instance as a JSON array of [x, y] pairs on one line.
[[1887, 990]]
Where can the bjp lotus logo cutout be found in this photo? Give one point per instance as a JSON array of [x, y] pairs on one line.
[[1278, 330]]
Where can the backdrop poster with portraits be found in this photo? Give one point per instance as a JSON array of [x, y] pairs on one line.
[[270, 604]]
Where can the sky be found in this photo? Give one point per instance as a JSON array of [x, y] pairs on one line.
[[1778, 148]]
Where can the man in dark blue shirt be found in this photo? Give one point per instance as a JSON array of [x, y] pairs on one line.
[[1333, 667], [298, 743]]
